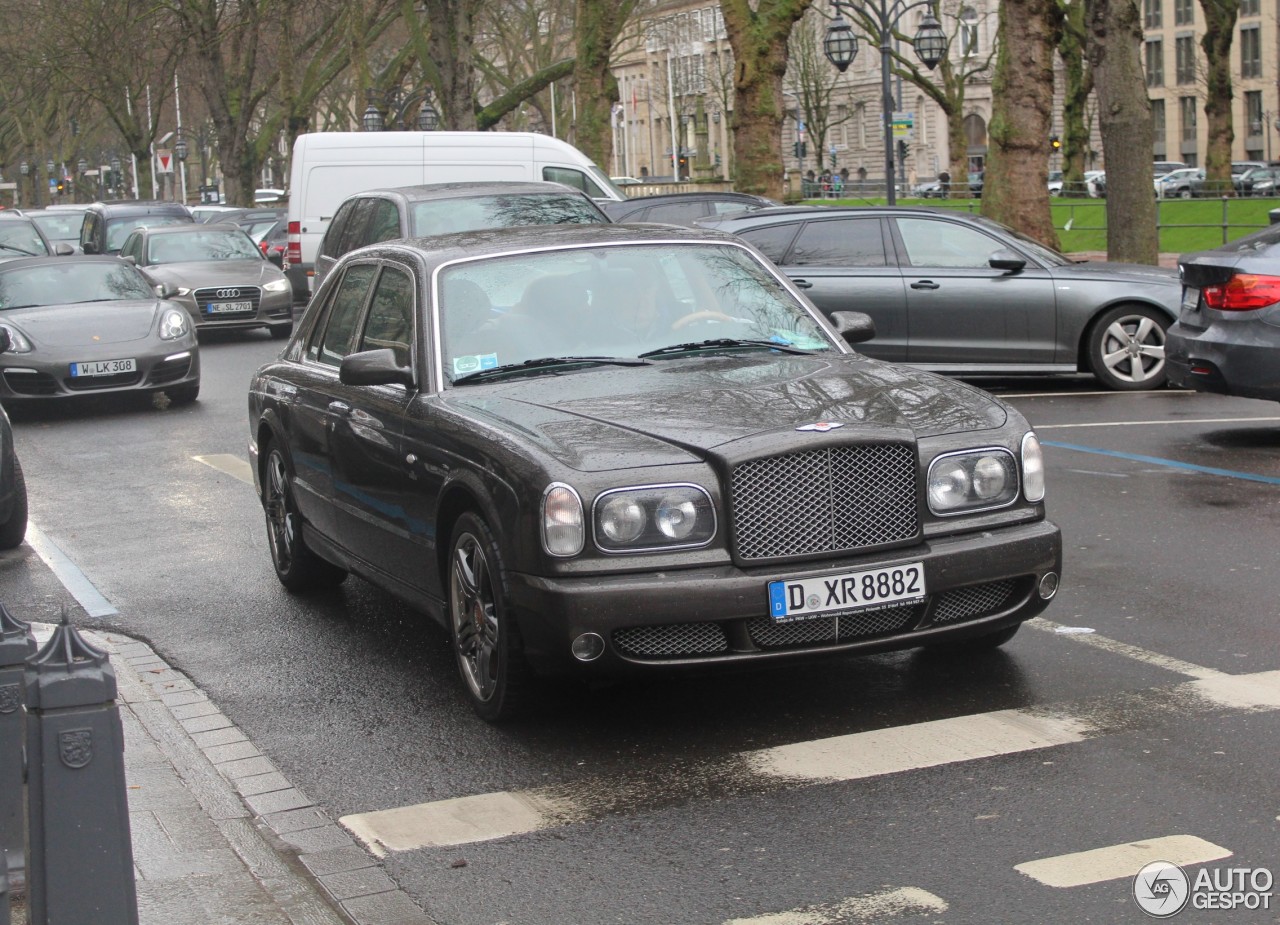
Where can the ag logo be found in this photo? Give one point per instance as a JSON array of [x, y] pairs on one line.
[[1161, 889]]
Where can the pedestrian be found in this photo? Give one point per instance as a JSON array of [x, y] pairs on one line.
[[944, 183]]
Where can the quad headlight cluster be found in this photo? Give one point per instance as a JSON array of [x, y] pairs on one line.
[[647, 518], [980, 480]]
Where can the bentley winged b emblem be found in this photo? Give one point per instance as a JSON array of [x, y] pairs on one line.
[[821, 426]]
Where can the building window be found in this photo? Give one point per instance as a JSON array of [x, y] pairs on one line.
[[1185, 45], [1251, 52], [1184, 12], [1158, 129], [1187, 112], [1253, 118], [1152, 14], [969, 32], [1250, 7], [1155, 62]]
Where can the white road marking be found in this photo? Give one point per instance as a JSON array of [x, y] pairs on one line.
[[67, 572], [872, 907], [1040, 427], [459, 821], [1117, 862], [1116, 647], [229, 463]]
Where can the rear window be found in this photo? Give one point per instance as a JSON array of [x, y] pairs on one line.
[[445, 216]]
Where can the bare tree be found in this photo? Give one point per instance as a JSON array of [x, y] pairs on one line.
[[759, 37], [1124, 116], [1219, 28], [1015, 188], [813, 80], [1075, 96]]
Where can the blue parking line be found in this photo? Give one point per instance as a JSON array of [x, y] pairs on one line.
[[1171, 463]]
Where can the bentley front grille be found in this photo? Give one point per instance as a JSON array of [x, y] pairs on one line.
[[974, 601], [834, 500], [671, 640], [767, 634]]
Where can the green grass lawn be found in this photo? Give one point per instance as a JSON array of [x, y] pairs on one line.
[[1185, 224]]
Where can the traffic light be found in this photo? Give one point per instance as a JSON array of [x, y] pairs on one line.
[[1055, 144], [62, 186], [801, 150]]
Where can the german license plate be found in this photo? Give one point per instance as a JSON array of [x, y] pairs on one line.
[[802, 598], [224, 308], [104, 367]]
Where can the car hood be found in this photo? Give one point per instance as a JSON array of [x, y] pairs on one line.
[[199, 274], [681, 410], [83, 323], [1117, 272]]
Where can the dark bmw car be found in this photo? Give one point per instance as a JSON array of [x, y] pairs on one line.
[[611, 448], [1227, 339], [958, 293], [683, 208]]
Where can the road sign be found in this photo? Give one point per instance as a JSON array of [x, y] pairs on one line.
[[165, 158], [904, 125]]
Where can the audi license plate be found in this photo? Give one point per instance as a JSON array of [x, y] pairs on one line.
[[225, 308], [834, 595], [104, 367]]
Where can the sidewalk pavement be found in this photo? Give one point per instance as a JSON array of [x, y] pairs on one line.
[[220, 837]]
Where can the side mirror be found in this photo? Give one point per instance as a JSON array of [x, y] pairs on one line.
[[63, 249], [1006, 260], [277, 260], [130, 259], [5, 340], [374, 367], [165, 290], [89, 247], [854, 327]]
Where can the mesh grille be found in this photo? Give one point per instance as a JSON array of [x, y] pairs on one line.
[[769, 635], [671, 640], [31, 383], [831, 500], [250, 294], [974, 601]]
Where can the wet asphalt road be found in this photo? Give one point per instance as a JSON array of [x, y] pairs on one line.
[[1168, 504]]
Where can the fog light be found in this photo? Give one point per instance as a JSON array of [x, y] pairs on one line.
[[588, 647], [1048, 585]]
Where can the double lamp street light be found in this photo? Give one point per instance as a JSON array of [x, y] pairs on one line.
[[841, 46], [397, 104]]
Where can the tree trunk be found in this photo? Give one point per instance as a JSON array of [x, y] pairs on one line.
[[452, 46], [1015, 188], [958, 144], [1124, 116], [1079, 84], [596, 26], [759, 42], [1220, 24]]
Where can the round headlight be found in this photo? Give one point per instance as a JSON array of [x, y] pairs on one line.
[[676, 517], [948, 485], [173, 324], [989, 477], [621, 519]]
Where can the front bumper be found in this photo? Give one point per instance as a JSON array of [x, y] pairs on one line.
[[23, 377], [274, 308], [1226, 358], [977, 583]]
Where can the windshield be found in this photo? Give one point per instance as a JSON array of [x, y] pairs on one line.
[[443, 216], [60, 226], [200, 245], [1045, 254], [18, 237], [118, 228], [611, 302], [63, 282]]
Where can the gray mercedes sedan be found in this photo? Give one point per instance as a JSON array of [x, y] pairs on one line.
[[958, 293], [217, 272], [593, 449]]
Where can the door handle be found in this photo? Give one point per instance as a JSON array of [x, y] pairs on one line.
[[925, 284], [802, 284], [339, 407]]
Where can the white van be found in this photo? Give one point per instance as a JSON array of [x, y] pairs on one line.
[[330, 166]]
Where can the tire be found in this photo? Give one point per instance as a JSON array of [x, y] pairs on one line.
[[183, 394], [298, 568], [486, 642], [1184, 194], [14, 530], [1126, 348], [281, 331]]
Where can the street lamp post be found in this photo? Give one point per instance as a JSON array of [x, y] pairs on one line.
[[841, 46], [397, 104]]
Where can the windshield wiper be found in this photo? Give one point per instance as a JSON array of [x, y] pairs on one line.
[[722, 343], [19, 250], [546, 363]]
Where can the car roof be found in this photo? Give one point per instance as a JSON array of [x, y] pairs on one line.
[[466, 189], [824, 211], [659, 198], [189, 228], [138, 207], [42, 259]]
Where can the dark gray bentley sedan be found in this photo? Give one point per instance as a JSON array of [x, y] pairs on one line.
[[612, 447]]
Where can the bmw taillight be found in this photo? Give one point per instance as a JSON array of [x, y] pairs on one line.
[[293, 253], [1243, 292]]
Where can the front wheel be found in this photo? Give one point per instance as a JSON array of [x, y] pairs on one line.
[[298, 568], [14, 530], [183, 394], [1126, 348], [281, 331], [486, 642]]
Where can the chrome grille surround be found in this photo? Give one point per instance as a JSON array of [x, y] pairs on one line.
[[204, 296], [830, 500], [767, 634], [974, 601], [671, 640]]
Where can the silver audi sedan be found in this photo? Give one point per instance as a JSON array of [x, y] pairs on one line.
[[217, 272]]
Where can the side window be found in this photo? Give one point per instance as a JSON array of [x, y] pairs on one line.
[[337, 225], [334, 339], [390, 322], [89, 228], [772, 241], [132, 247], [846, 242], [932, 243], [383, 223], [575, 178], [677, 213]]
